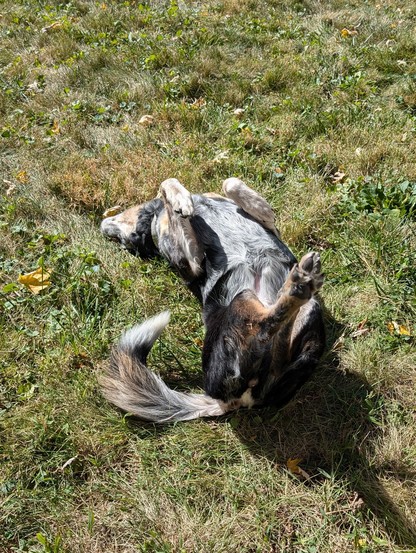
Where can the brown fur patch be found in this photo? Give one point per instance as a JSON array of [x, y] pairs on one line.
[[128, 219], [215, 196], [163, 224]]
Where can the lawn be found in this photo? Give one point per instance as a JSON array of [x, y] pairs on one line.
[[326, 131]]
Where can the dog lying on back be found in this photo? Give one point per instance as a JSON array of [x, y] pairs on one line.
[[264, 331]]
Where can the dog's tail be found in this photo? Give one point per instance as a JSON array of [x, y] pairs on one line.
[[133, 387]]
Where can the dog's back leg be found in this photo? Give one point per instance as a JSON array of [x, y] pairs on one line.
[[296, 326], [306, 344], [252, 203], [179, 242]]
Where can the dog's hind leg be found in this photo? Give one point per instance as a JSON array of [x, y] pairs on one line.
[[303, 281], [295, 326], [179, 243], [251, 202], [306, 344]]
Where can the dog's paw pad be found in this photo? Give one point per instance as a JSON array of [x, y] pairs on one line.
[[178, 197], [306, 278], [183, 205]]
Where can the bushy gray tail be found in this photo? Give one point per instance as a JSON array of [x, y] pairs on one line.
[[130, 385]]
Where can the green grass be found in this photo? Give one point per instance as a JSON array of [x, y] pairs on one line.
[[328, 136]]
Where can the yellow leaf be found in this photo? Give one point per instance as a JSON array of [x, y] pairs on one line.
[[55, 127], [346, 33], [111, 211], [293, 466], [404, 331], [199, 103], [37, 280], [22, 176]]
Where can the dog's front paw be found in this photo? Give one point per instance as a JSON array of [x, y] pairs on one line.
[[306, 278], [183, 205], [178, 197]]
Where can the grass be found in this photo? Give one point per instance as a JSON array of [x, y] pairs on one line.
[[328, 137]]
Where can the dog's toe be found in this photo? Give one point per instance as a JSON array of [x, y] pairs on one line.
[[306, 277], [178, 197], [183, 206]]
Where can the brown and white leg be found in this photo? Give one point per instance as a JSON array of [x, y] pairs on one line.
[[180, 209], [303, 281], [251, 202]]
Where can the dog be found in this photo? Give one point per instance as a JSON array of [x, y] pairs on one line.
[[264, 331]]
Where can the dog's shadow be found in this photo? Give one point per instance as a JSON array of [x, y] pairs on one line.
[[333, 426]]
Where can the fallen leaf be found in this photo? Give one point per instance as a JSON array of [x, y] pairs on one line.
[[10, 189], [146, 120], [339, 343], [247, 133], [69, 462], [362, 330], [111, 211], [52, 26], [239, 112], [292, 465], [272, 131], [339, 176], [37, 280], [34, 87], [220, 157], [390, 328], [294, 468], [55, 127], [22, 177], [199, 103], [394, 327], [404, 331], [346, 33]]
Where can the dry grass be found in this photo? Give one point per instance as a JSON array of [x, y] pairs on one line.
[[76, 475]]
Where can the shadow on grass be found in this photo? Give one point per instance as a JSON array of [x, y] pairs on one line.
[[332, 426]]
